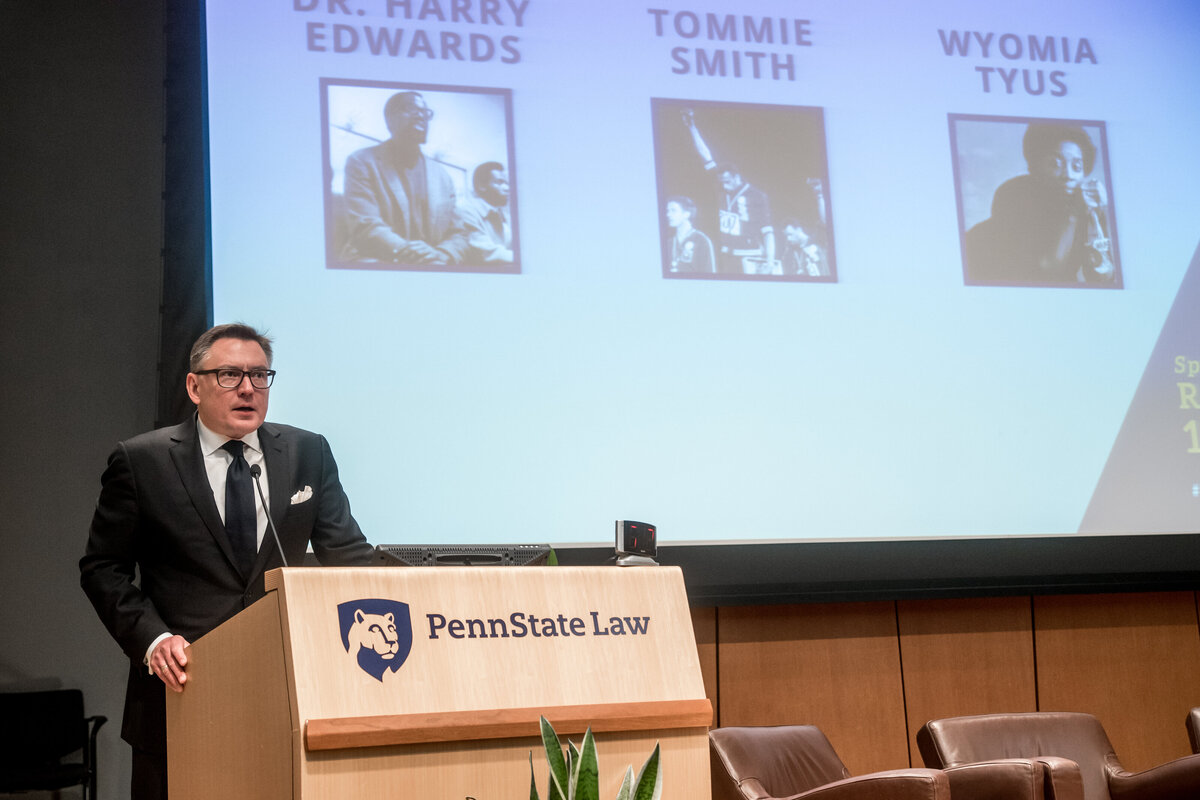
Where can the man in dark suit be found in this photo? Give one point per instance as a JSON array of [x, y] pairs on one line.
[[178, 505], [401, 204]]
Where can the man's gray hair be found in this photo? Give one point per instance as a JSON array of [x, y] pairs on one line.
[[232, 330]]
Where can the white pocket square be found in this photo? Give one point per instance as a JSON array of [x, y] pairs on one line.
[[302, 495]]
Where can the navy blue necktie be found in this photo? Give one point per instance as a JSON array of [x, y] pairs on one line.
[[241, 520]]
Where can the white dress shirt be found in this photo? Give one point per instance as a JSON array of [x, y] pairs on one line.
[[216, 464]]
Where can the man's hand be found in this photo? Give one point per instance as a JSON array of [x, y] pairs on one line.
[[168, 662], [419, 253], [1093, 193]]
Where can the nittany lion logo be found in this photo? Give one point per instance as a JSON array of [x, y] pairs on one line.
[[378, 633]]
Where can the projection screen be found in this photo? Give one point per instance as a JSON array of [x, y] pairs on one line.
[[754, 272]]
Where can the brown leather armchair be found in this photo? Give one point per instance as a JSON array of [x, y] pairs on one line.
[[1193, 726], [1051, 737], [797, 762]]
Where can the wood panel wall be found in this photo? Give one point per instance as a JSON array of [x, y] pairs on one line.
[[960, 657], [833, 665], [704, 625], [870, 674], [1133, 660]]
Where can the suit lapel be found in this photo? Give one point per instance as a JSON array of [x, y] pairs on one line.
[[189, 462], [277, 456]]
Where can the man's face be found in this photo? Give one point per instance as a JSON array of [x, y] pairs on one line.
[[496, 189], [796, 235], [230, 412], [731, 181], [675, 215], [409, 119]]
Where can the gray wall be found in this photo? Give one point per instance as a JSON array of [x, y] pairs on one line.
[[80, 186]]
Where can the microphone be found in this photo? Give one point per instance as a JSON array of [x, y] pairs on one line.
[[255, 471]]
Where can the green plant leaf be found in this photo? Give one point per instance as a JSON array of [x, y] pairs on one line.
[[576, 775], [558, 787], [626, 789], [533, 792], [649, 781], [572, 767], [585, 784]]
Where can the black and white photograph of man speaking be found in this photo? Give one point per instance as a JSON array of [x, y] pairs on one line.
[[410, 168]]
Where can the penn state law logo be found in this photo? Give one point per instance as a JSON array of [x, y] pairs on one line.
[[378, 633]]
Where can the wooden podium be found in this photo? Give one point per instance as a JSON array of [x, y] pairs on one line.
[[316, 692]]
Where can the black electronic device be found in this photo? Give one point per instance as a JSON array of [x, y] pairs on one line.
[[637, 543], [255, 472], [463, 555]]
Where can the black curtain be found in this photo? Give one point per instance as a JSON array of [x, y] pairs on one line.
[[186, 309]]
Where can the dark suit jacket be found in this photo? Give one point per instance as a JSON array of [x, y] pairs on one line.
[[156, 512]]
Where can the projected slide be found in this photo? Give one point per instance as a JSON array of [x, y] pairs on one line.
[[783, 148], [753, 271], [390, 205]]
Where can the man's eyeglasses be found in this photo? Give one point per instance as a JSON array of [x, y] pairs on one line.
[[228, 378], [414, 112]]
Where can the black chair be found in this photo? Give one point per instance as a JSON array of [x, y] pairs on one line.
[[38, 731]]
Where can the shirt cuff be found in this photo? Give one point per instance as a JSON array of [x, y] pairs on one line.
[[150, 650]]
